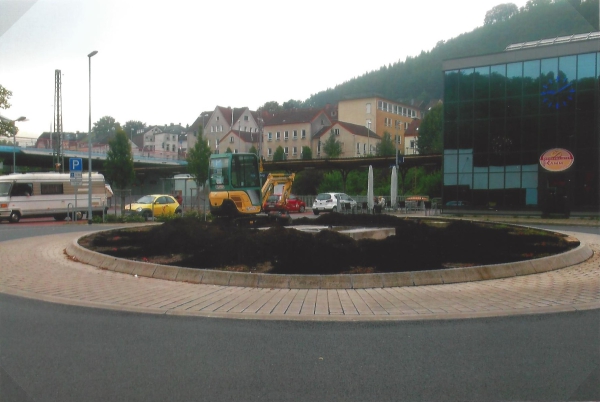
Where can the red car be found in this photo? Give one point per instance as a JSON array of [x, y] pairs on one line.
[[294, 204]]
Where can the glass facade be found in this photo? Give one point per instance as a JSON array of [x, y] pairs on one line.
[[500, 118]]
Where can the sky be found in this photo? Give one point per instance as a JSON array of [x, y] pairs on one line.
[[162, 62]]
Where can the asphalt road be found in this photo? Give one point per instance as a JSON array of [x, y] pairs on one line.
[[52, 352]]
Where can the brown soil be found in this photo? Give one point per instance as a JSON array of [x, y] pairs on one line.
[[419, 244]]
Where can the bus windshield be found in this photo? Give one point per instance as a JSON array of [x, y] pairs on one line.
[[4, 189]]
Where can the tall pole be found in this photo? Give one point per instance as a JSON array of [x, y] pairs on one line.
[[89, 213], [14, 152], [15, 143]]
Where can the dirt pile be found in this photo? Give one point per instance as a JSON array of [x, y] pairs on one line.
[[419, 244]]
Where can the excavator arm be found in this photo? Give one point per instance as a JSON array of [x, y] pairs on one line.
[[272, 182]]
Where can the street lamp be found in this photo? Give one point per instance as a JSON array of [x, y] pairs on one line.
[[89, 214], [22, 118]]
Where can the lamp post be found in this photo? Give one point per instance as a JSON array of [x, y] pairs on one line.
[[89, 213], [22, 118]]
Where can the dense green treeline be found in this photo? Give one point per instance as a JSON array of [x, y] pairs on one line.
[[420, 78]]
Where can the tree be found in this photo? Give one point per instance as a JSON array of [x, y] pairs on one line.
[[306, 153], [332, 146], [500, 13], [532, 4], [386, 146], [253, 150], [119, 163], [104, 129], [279, 154], [270, 107], [228, 151], [430, 131], [132, 127], [292, 104], [197, 159], [7, 128]]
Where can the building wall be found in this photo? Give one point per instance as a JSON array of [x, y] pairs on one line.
[[500, 117], [290, 143], [384, 116]]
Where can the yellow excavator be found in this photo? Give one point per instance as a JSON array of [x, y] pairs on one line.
[[235, 185]]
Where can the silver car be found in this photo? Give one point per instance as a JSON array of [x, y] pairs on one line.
[[328, 202]]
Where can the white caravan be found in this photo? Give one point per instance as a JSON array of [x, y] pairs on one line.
[[30, 195]]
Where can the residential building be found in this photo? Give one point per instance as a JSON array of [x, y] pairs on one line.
[[167, 142], [223, 120], [411, 137], [293, 129], [355, 140], [239, 141], [380, 115]]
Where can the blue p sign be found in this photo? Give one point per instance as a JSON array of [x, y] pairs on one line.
[[75, 164]]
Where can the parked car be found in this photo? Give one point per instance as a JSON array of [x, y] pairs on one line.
[[162, 204], [328, 202], [294, 204]]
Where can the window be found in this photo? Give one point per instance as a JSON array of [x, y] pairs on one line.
[[294, 151], [269, 151], [270, 137], [335, 131], [231, 140], [245, 118], [221, 128], [319, 148], [47, 188], [358, 148], [218, 118], [295, 134], [277, 135], [212, 129], [380, 105], [364, 148], [368, 108], [303, 134], [285, 150], [286, 135], [24, 189], [406, 126], [235, 151]]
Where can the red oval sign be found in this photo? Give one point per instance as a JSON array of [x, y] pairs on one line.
[[556, 159]]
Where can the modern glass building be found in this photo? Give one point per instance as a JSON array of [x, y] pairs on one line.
[[522, 128]]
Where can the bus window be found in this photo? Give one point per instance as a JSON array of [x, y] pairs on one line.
[[21, 189]]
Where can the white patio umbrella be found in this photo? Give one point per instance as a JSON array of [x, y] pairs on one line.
[[370, 194], [394, 187]]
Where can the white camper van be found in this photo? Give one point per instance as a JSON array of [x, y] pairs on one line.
[[31, 195]]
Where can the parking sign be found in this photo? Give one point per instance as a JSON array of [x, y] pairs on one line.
[[75, 164]]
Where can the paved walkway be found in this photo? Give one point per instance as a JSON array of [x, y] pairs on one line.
[[38, 268]]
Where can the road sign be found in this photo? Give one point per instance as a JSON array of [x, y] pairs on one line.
[[76, 178], [75, 164]]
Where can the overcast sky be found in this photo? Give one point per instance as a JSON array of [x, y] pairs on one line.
[[166, 61]]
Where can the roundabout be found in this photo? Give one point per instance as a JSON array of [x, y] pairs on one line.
[[55, 273]]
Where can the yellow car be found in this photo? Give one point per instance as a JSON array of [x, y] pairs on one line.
[[154, 205]]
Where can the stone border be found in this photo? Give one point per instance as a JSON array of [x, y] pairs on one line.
[[344, 281]]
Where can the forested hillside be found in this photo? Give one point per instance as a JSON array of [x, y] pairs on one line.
[[420, 78]]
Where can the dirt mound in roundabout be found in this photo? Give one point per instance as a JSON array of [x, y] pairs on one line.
[[419, 244]]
